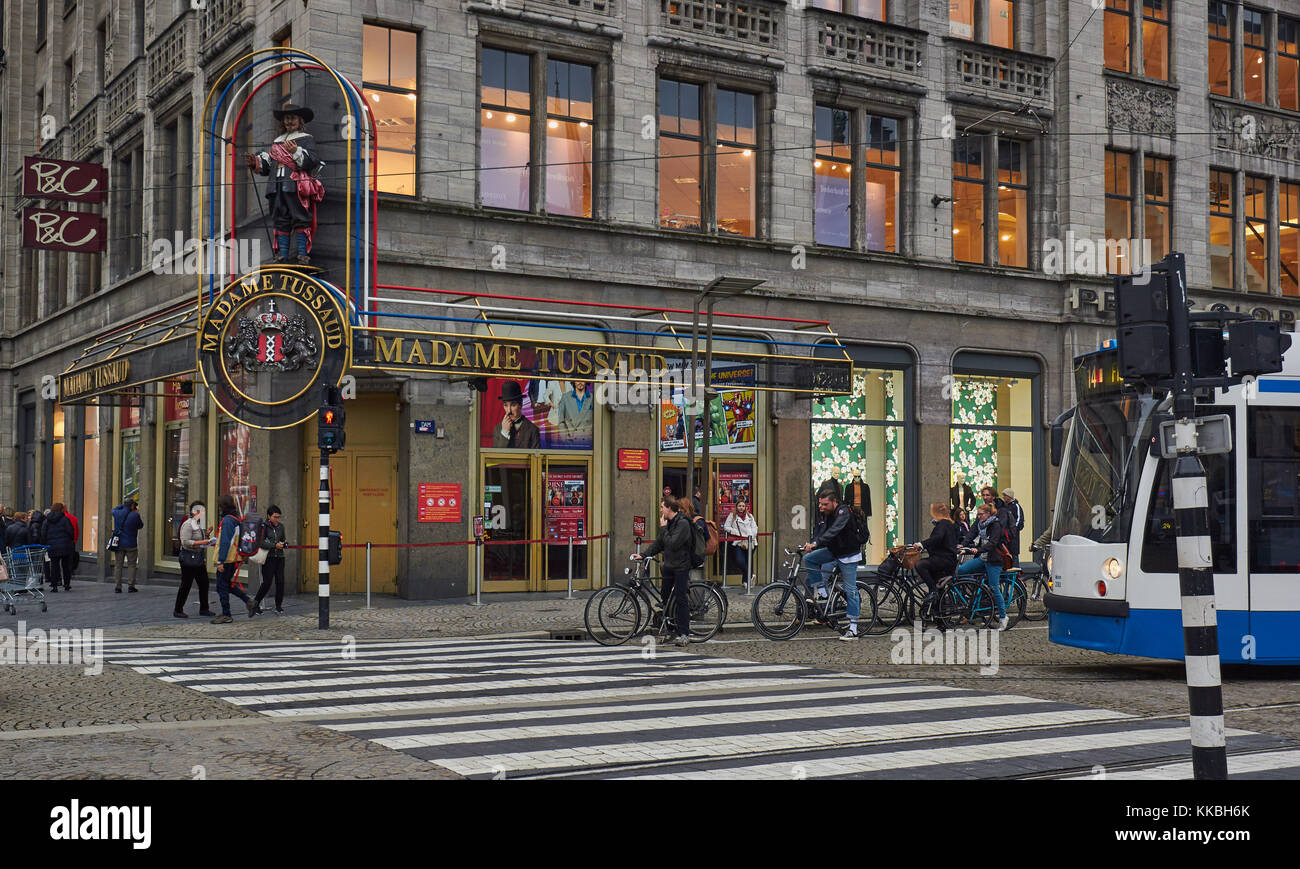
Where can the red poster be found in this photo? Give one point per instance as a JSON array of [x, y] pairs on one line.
[[566, 506], [74, 231], [633, 460], [44, 178], [731, 486], [438, 502]]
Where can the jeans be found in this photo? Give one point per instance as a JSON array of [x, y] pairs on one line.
[[61, 570], [193, 574], [675, 584], [992, 574], [740, 557], [272, 571], [821, 560], [128, 559], [226, 573]]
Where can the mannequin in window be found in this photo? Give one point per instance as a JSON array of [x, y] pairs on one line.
[[960, 495], [858, 494]]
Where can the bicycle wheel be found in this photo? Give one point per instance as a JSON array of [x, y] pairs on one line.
[[778, 611], [612, 616], [957, 603], [839, 607], [707, 610], [1036, 600], [1013, 594], [889, 605]]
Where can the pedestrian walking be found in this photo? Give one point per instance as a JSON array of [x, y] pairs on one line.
[[196, 538], [676, 540], [127, 525], [273, 568], [741, 523], [58, 533], [228, 561], [17, 533]]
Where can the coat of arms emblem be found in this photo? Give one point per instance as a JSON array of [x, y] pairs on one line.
[[272, 341]]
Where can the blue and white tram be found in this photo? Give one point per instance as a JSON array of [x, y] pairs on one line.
[[1113, 563]]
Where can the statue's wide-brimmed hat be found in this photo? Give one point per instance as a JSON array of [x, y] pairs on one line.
[[301, 111]]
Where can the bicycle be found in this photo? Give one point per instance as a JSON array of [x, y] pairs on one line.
[[974, 600], [780, 610], [1038, 587], [618, 613], [898, 594]]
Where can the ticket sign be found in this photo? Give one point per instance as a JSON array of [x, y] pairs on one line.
[[634, 460], [638, 527], [438, 502]]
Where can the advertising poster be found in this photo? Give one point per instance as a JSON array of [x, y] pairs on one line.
[[566, 506], [438, 502], [731, 486], [550, 415], [730, 417]]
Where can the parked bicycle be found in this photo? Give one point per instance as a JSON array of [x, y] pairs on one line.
[[781, 609], [618, 613], [972, 601], [1038, 587], [901, 597]]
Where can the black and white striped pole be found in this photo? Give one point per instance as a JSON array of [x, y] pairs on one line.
[[330, 438]]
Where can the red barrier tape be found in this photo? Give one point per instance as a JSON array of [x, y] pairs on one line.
[[559, 542]]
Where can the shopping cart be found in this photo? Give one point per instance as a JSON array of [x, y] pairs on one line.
[[25, 576]]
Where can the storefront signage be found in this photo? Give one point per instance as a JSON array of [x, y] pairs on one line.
[[729, 421], [493, 357], [105, 375], [267, 343], [566, 506], [633, 460], [638, 527], [438, 502], [64, 179], [732, 486], [71, 231]]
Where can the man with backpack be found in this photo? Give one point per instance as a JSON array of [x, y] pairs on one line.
[[837, 538], [127, 525]]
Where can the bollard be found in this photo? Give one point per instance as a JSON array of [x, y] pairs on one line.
[[726, 552], [609, 558], [367, 574], [749, 562], [569, 596], [478, 572]]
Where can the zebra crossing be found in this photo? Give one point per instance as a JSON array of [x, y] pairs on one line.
[[543, 709]]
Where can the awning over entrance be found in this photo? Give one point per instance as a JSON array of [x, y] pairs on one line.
[[157, 347]]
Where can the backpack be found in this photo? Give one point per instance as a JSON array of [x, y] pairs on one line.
[[250, 536], [861, 530]]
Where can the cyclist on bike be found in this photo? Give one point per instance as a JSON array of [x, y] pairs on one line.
[[941, 546], [676, 540], [985, 541], [834, 540]]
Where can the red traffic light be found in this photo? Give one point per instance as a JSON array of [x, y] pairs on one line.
[[327, 417]]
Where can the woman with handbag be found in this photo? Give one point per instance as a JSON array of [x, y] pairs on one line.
[[228, 561], [195, 539], [272, 552]]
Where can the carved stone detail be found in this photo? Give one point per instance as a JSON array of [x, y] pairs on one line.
[[1138, 108], [1245, 131]]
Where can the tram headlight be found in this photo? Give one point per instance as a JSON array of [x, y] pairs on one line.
[[1049, 565], [1112, 568]]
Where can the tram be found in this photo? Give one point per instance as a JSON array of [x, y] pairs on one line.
[[1114, 562]]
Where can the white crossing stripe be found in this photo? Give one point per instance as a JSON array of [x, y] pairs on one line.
[[1243, 764]]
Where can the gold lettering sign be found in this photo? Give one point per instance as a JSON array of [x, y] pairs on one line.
[[106, 375], [405, 352]]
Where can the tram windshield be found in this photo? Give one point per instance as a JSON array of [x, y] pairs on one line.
[[1103, 458]]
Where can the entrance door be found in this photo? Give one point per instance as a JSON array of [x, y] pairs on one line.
[[732, 481], [508, 496], [566, 515]]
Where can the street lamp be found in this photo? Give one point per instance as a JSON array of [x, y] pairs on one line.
[[719, 288]]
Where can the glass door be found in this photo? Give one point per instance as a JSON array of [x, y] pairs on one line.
[[508, 495], [565, 514], [733, 482]]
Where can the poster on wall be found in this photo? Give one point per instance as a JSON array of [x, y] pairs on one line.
[[438, 502], [731, 486], [536, 414], [566, 506], [236, 439], [730, 418]]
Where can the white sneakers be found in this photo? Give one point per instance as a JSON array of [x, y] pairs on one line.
[[1002, 623]]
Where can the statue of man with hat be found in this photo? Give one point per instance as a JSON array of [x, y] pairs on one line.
[[294, 189], [515, 430]]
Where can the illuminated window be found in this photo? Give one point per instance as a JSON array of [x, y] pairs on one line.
[[873, 9], [57, 456], [1288, 63], [570, 131], [832, 165], [1220, 28], [1254, 78], [1222, 261], [882, 181], [1156, 208], [389, 84], [968, 199], [505, 121], [89, 510], [961, 19], [1002, 23], [1119, 210], [1155, 39], [1013, 204], [1288, 197], [736, 172], [1255, 228], [679, 156], [1119, 24]]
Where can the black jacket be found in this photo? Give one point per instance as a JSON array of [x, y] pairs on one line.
[[988, 543], [271, 535], [57, 533], [942, 546], [835, 532], [676, 541], [16, 534], [1013, 520]]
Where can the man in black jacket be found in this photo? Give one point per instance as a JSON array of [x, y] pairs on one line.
[[834, 540], [676, 540], [58, 534], [1013, 519], [985, 541]]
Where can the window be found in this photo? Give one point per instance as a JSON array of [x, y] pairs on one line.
[[89, 510], [1273, 462], [1119, 209], [1155, 39], [69, 86], [1002, 23], [101, 56], [388, 80], [679, 156], [42, 19], [736, 164], [1288, 63], [882, 175], [864, 434], [1119, 25], [1222, 260], [1255, 227], [1254, 70], [873, 9], [176, 461], [137, 28], [1288, 240], [832, 162], [505, 121], [570, 132], [129, 456], [175, 176], [29, 294], [126, 250], [990, 21], [968, 199], [1013, 205], [961, 19], [57, 456], [1159, 544], [1220, 28], [1156, 208]]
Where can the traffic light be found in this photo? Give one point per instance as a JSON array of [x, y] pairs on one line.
[[329, 420], [1256, 347], [1142, 325], [1207, 352], [334, 548]]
